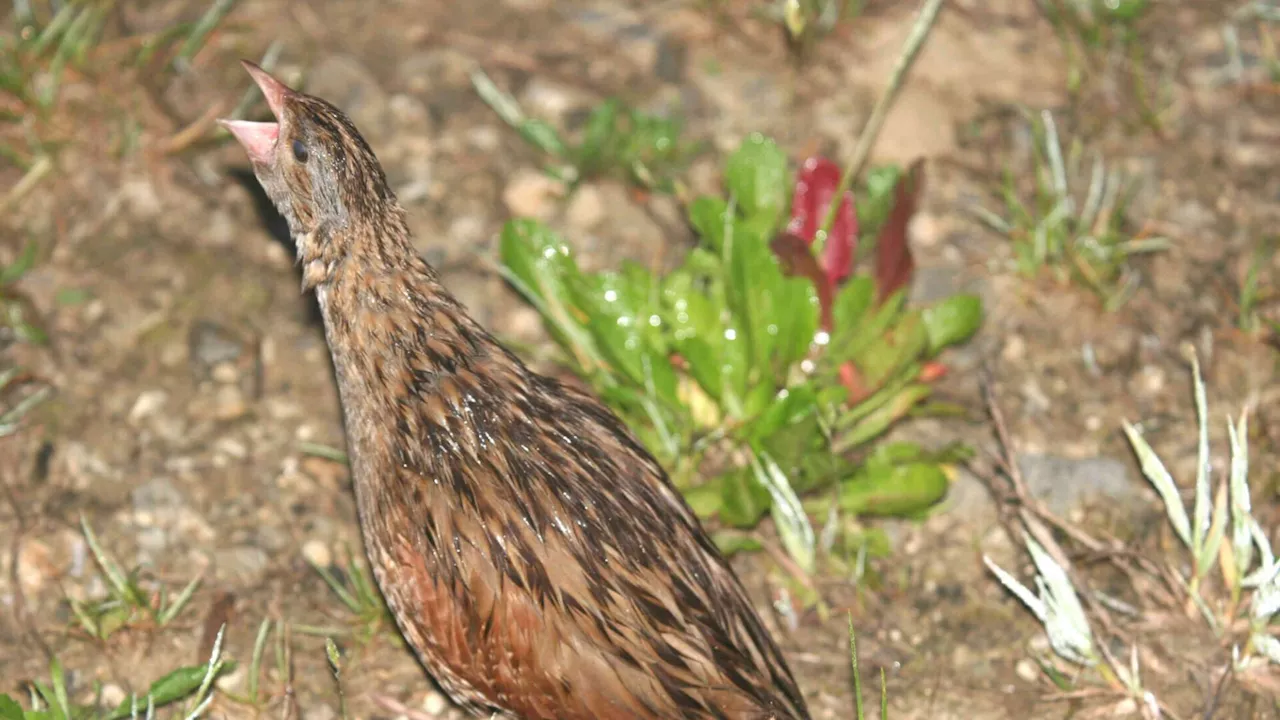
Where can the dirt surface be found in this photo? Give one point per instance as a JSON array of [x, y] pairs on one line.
[[192, 373]]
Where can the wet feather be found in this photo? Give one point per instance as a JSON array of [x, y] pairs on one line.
[[535, 556]]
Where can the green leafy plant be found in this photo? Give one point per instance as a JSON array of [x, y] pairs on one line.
[[1085, 235], [645, 148], [128, 603], [17, 312], [193, 683], [1104, 48], [756, 371], [13, 412], [51, 41], [358, 593]]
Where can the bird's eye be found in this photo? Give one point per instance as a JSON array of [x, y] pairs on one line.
[[300, 152]]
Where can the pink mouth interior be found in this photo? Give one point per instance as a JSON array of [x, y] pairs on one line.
[[258, 138]]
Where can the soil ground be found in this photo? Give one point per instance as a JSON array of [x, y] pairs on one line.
[[190, 372]]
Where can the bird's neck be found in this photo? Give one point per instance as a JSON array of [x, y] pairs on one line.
[[393, 330]]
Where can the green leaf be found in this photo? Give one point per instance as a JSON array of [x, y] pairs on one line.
[[790, 406], [889, 489], [179, 684], [789, 516], [795, 320], [10, 709], [622, 315], [952, 321], [876, 422], [876, 199], [754, 292], [695, 329], [851, 344], [732, 542], [598, 137], [898, 348], [14, 271], [757, 177], [709, 216], [743, 500], [705, 499], [851, 304], [758, 398], [540, 266], [543, 136]]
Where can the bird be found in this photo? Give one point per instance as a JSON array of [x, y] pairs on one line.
[[535, 556]]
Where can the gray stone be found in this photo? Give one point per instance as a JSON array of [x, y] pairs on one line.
[[1065, 484], [210, 344], [244, 565], [157, 495]]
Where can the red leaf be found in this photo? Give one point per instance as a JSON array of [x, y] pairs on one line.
[[894, 264], [810, 201], [796, 260], [932, 371], [852, 380]]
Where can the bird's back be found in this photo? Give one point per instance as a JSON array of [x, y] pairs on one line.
[[540, 561]]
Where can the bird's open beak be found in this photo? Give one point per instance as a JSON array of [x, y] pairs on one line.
[[259, 138]]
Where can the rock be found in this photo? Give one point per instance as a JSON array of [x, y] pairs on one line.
[[209, 344], [1015, 349], [140, 198], [244, 565], [151, 542], [1066, 484], [113, 695], [229, 403], [36, 566], [158, 496], [317, 553], [147, 404], [926, 230], [484, 138], [586, 209], [532, 194], [551, 101], [225, 373], [434, 703]]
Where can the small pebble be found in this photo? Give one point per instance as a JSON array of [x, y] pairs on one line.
[[925, 230], [36, 566], [1027, 670], [113, 695], [434, 703], [317, 553], [1015, 349], [146, 405], [586, 209], [531, 193], [225, 373], [229, 403]]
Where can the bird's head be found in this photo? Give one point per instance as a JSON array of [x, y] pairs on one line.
[[312, 162]]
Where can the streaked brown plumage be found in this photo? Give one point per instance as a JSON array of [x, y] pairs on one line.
[[536, 557]]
